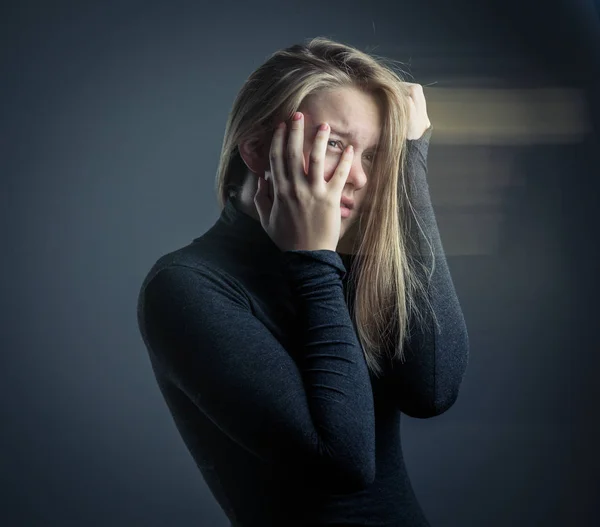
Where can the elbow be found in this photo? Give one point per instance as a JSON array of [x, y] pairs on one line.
[[439, 405], [350, 465], [445, 389]]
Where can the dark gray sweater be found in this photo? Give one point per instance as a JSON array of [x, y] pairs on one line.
[[256, 355]]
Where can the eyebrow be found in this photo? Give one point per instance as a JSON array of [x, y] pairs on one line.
[[349, 135]]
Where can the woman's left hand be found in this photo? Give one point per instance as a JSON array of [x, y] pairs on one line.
[[418, 121]]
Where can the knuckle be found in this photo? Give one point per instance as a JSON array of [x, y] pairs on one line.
[[280, 193], [287, 194]]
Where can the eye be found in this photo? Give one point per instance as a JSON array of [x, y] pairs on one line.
[[336, 141]]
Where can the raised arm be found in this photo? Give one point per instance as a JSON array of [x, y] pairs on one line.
[[428, 382], [316, 419]]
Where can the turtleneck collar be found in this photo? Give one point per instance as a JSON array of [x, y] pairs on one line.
[[244, 228]]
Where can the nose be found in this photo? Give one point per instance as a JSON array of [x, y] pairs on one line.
[[357, 176]]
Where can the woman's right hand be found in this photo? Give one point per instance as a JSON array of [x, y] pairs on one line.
[[302, 211]]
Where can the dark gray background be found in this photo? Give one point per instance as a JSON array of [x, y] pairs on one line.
[[112, 117]]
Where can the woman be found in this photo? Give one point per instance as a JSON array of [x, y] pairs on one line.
[[288, 339]]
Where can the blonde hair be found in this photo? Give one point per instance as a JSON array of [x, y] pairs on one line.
[[386, 276]]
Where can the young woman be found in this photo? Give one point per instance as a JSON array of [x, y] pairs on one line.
[[288, 339]]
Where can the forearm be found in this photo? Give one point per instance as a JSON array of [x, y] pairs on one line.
[[333, 367], [427, 383]]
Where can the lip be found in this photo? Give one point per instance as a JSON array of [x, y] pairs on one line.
[[348, 203]]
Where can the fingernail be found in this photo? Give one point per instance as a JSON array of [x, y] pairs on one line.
[[297, 116]]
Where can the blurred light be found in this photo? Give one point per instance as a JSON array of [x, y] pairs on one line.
[[494, 116]]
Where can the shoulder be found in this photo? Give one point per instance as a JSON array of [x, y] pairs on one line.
[[184, 277]]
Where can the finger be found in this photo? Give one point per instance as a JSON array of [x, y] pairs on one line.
[[412, 108], [276, 159], [415, 92], [269, 184], [263, 203], [316, 159], [413, 86], [294, 153], [338, 180]]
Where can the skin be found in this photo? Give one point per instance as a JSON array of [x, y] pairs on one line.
[[343, 109]]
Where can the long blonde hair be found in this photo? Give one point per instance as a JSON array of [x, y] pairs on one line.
[[388, 280]]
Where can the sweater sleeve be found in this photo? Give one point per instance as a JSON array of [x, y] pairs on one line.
[[317, 419], [427, 383]]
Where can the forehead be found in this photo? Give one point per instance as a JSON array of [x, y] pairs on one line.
[[346, 110]]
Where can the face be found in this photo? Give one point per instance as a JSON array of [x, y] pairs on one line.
[[354, 118]]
